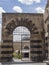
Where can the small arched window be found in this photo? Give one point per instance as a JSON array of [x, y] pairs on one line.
[[26, 47]]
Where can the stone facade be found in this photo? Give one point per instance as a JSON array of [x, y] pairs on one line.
[[34, 22], [46, 28], [38, 25]]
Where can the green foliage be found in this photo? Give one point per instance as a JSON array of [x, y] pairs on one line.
[[17, 56]]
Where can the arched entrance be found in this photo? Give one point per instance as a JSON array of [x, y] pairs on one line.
[[21, 43], [13, 22]]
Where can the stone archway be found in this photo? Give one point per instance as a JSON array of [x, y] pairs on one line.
[[21, 39], [7, 37]]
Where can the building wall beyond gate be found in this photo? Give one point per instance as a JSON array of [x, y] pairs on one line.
[[34, 22]]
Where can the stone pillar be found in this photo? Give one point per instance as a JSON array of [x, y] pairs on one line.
[[36, 46], [7, 48], [48, 41], [7, 43]]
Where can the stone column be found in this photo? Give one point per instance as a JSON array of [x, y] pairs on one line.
[[48, 42], [36, 46], [7, 48]]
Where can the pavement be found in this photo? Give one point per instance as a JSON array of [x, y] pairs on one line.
[[23, 64], [20, 62]]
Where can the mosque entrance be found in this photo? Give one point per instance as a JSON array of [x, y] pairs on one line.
[[21, 37], [21, 43]]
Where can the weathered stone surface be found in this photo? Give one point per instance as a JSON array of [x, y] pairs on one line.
[[34, 23], [46, 28]]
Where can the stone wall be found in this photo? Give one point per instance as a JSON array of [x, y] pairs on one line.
[[34, 22]]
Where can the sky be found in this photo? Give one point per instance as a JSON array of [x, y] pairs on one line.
[[21, 6]]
